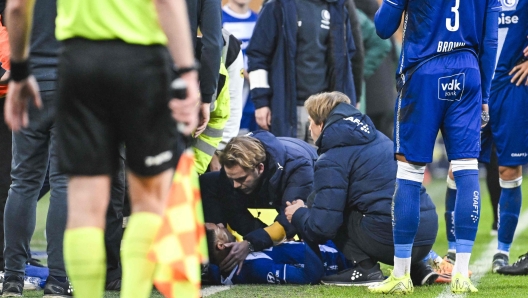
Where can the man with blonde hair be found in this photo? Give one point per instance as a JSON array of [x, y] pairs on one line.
[[353, 187], [259, 170]]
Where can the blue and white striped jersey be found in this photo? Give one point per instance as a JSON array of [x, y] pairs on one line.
[[240, 25]]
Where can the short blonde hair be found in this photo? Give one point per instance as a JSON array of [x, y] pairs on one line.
[[319, 105], [247, 152]]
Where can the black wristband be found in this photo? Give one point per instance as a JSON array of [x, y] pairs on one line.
[[179, 71], [20, 70]]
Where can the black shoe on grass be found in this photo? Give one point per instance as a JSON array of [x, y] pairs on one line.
[[499, 260], [55, 288], [520, 267], [356, 276], [13, 286]]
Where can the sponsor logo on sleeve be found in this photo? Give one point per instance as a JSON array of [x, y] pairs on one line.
[[451, 87]]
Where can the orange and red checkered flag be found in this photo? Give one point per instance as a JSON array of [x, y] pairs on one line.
[[181, 245]]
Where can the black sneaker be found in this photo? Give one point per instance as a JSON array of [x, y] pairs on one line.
[[114, 285], [520, 267], [499, 260], [13, 286], [422, 274], [55, 288], [356, 276]]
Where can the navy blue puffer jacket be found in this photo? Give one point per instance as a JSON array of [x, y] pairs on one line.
[[356, 171]]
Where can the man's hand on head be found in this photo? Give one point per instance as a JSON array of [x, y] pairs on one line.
[[237, 256]]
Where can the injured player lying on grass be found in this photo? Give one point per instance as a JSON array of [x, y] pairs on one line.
[[287, 263]]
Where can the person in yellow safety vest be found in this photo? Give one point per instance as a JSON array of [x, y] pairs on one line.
[[226, 108]]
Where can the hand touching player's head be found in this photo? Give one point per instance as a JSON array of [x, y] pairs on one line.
[[217, 237]]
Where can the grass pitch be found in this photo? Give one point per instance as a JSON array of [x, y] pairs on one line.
[[489, 284]]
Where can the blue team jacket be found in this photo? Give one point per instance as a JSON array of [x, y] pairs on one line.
[[273, 48], [356, 171], [288, 176], [287, 263]]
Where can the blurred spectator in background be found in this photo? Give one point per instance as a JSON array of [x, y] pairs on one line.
[[298, 48], [380, 85], [210, 10], [239, 20]]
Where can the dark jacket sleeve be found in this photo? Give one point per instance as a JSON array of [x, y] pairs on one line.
[[260, 53], [212, 43], [298, 186], [359, 56], [322, 221]]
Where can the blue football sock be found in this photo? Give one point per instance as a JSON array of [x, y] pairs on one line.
[[449, 218], [467, 205], [405, 216], [509, 209]]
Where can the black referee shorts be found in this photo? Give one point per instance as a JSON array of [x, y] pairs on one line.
[[112, 92]]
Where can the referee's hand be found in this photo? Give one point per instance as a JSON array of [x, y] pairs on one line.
[[186, 111]]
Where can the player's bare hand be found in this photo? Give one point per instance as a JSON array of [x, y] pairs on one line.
[[19, 95], [263, 117], [520, 73], [186, 111], [204, 116], [525, 52], [237, 255], [292, 207]]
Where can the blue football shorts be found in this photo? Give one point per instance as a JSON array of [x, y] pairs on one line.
[[442, 94], [508, 127]]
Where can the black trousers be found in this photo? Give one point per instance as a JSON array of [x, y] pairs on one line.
[[357, 245], [5, 173]]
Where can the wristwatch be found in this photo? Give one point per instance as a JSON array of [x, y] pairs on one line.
[[485, 118], [250, 247]]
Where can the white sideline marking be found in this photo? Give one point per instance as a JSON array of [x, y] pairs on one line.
[[213, 290], [483, 264]]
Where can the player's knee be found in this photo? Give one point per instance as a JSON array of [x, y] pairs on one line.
[[411, 172], [464, 164], [510, 173], [513, 183]]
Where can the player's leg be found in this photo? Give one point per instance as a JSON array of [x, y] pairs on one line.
[[418, 116], [509, 210], [511, 136], [450, 200], [461, 132]]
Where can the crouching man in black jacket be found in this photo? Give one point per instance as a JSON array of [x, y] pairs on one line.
[[258, 171]]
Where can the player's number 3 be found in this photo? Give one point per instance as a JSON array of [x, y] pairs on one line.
[[454, 9]]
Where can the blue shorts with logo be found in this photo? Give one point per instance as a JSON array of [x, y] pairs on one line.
[[442, 94], [508, 127]]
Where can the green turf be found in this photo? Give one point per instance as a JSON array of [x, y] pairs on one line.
[[491, 285]]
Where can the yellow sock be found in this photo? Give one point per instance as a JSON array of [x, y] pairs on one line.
[[85, 260], [138, 271]]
